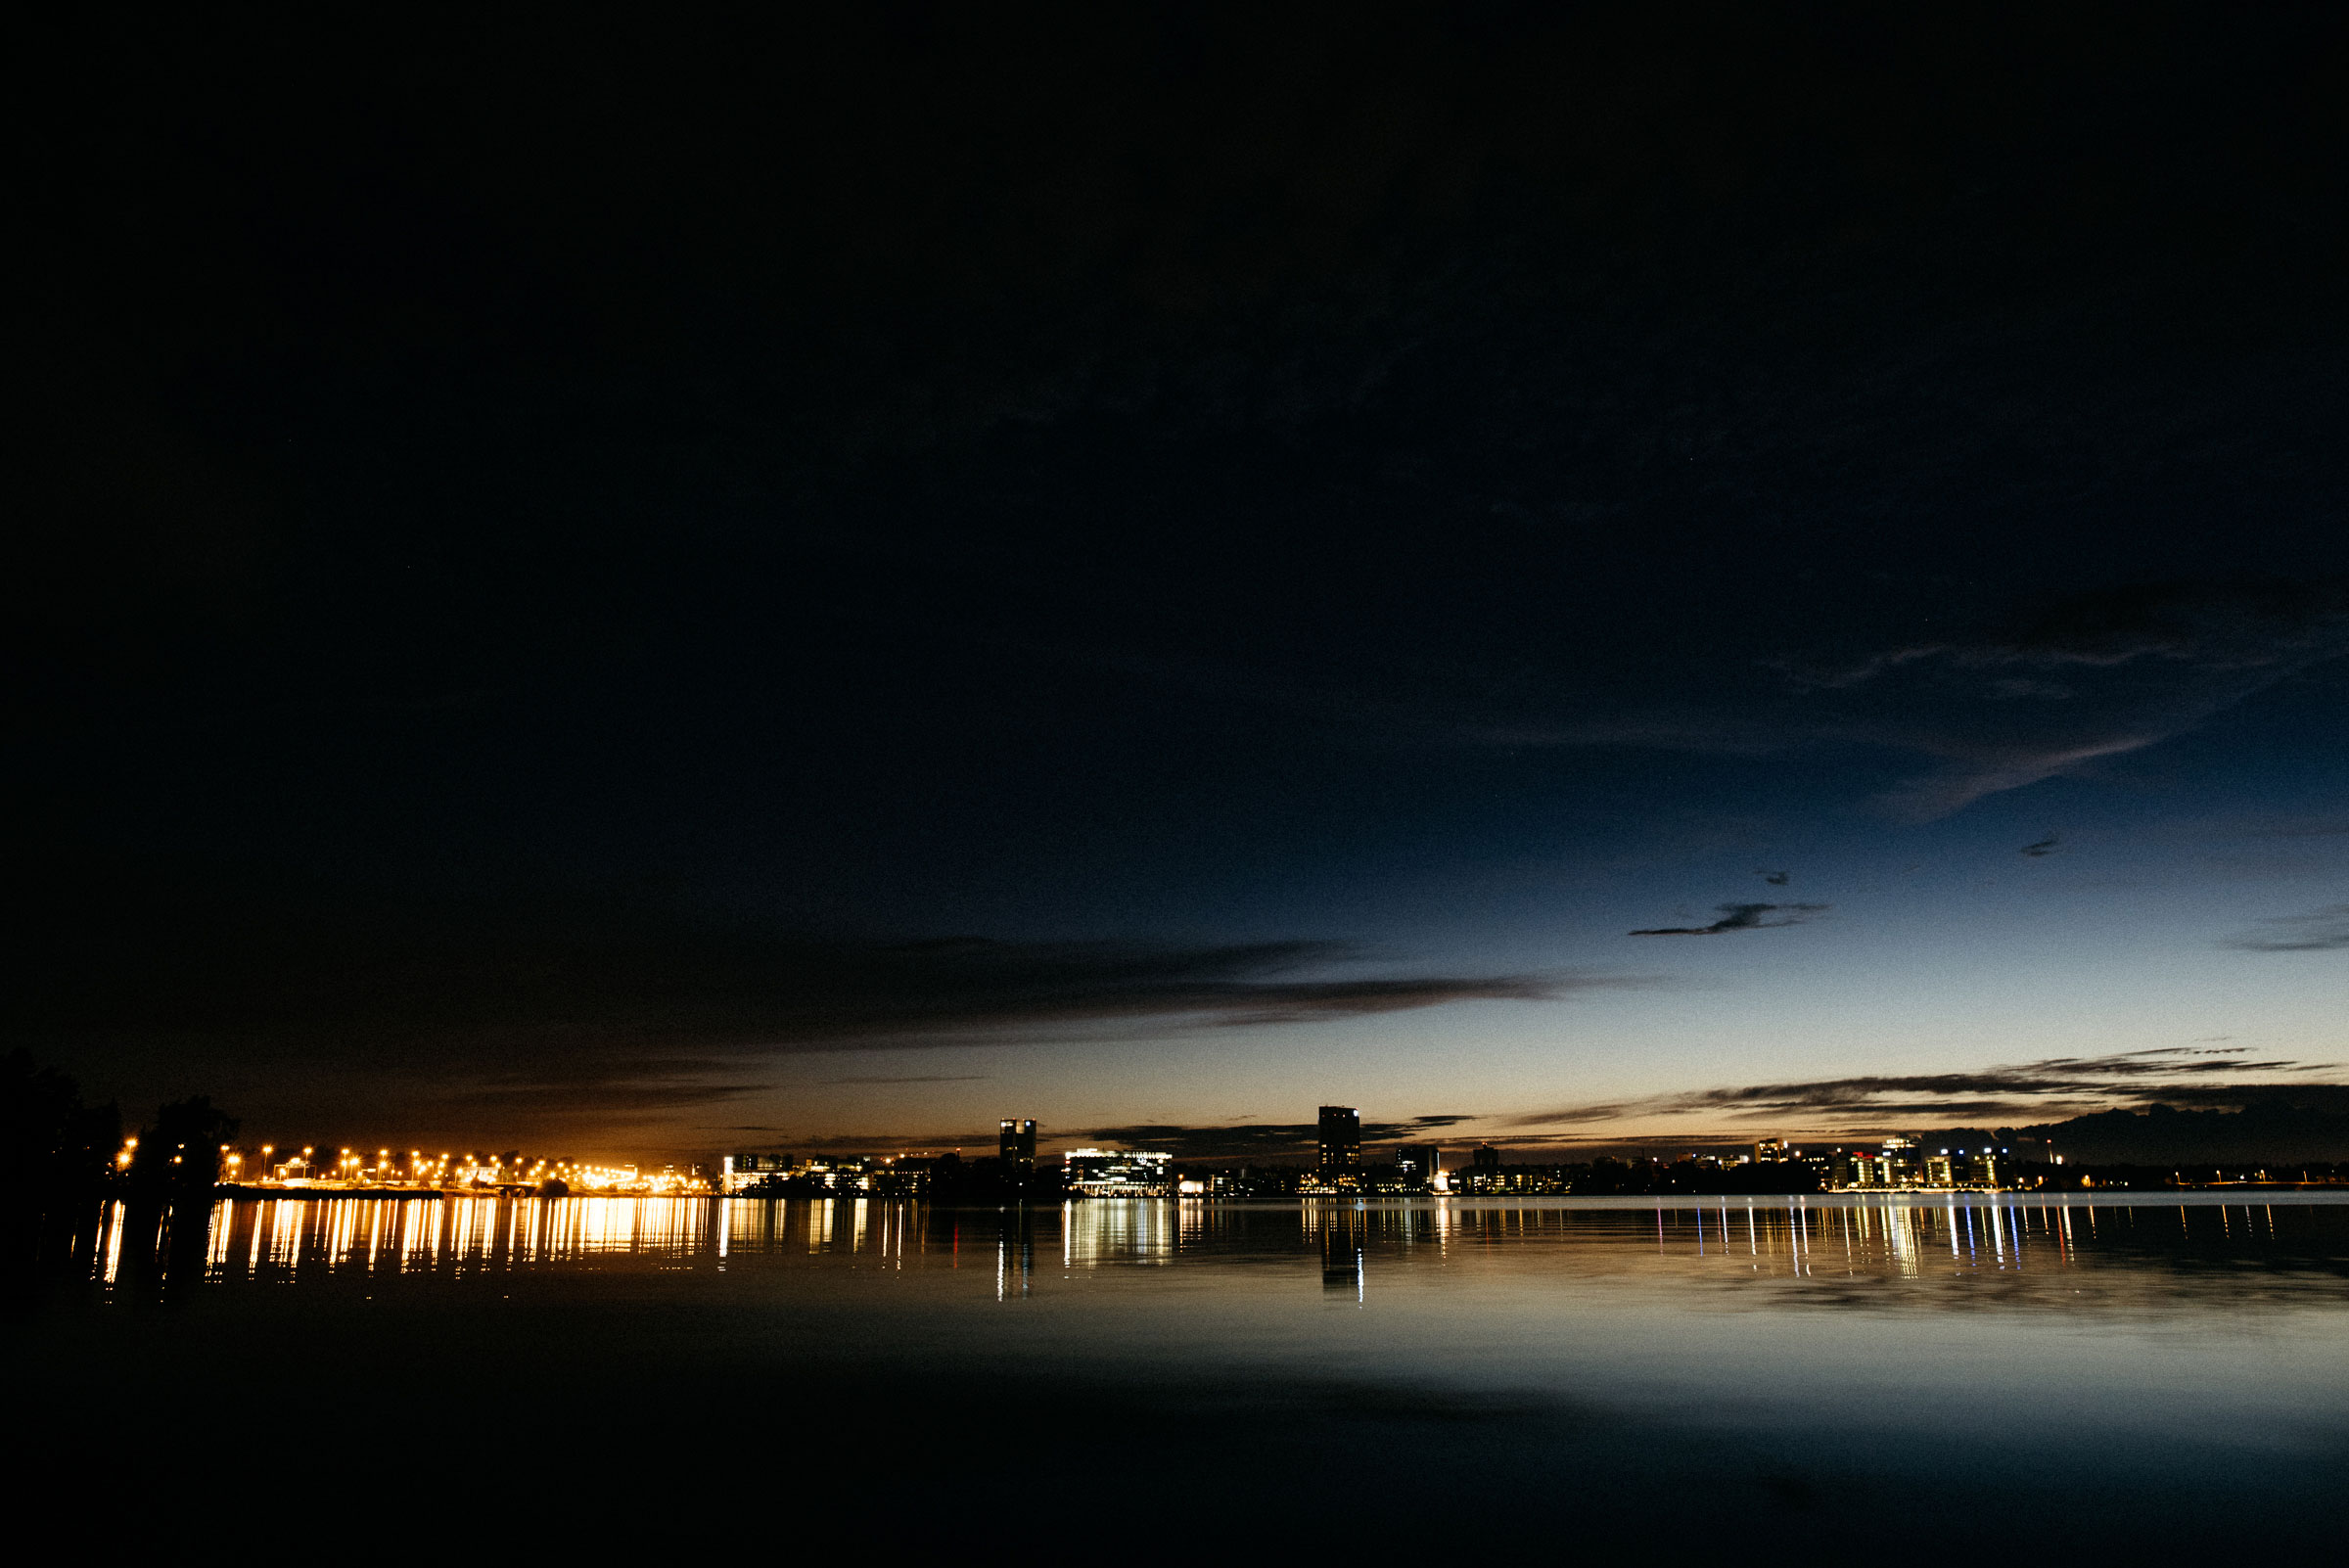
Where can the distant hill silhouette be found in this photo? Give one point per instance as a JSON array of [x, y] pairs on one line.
[[2163, 1133]]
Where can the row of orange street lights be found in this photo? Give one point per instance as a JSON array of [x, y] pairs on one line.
[[352, 1166]]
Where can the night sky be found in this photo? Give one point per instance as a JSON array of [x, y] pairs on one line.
[[1581, 576]]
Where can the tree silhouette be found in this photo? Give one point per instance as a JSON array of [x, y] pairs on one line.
[[179, 1157]]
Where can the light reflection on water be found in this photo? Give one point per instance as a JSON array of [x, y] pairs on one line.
[[2007, 1249], [2182, 1353]]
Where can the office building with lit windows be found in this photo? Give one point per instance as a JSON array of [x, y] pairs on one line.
[[744, 1173], [1016, 1144], [1119, 1174], [1341, 1137], [885, 1175]]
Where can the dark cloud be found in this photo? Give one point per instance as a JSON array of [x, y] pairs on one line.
[[2271, 1123], [925, 1078], [791, 1140], [2326, 931], [1598, 1111], [1744, 917], [1277, 1140], [1269, 1140], [2244, 1096], [1776, 879], [2177, 1075], [631, 1092], [2045, 846], [981, 1138], [546, 1002]]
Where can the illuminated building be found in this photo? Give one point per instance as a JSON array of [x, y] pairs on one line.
[[1900, 1164], [1978, 1168], [1495, 1180], [742, 1171], [773, 1172], [1341, 1137], [1417, 1164], [815, 1174], [899, 1175], [835, 1172], [1016, 1142], [1838, 1168], [1769, 1151], [1248, 1182], [1119, 1174]]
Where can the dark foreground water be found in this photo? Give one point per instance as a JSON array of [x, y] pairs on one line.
[[1552, 1379]]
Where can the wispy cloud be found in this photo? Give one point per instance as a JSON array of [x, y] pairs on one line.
[[2326, 931], [1744, 917], [2055, 1086], [1272, 1140], [2300, 830], [2084, 679], [2138, 666]]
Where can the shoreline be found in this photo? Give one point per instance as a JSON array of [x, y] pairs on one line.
[[2070, 1196]]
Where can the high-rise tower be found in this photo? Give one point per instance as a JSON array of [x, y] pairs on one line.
[[1017, 1144], [1341, 1137]]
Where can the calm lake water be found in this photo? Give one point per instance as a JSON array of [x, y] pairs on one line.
[[1940, 1379]]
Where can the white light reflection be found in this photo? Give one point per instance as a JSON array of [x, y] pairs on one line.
[[1910, 1249], [215, 1252], [1107, 1230]]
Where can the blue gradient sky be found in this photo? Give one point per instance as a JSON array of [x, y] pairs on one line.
[[1070, 571]]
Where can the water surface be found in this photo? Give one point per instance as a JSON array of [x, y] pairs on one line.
[[1950, 1376]]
